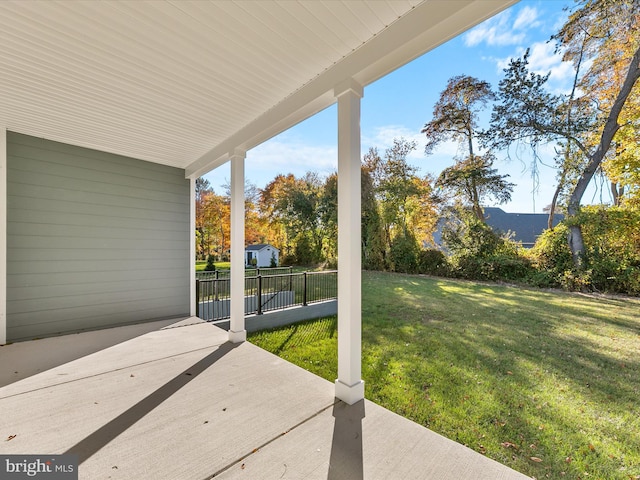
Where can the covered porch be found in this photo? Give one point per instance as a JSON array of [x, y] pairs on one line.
[[183, 402], [174, 90]]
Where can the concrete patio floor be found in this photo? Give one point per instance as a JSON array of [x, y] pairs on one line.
[[180, 402]]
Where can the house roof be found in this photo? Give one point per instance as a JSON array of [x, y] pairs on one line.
[[259, 247], [526, 227], [187, 83]]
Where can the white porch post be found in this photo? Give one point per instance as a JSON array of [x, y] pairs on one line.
[[349, 385], [3, 235], [237, 332], [192, 247]]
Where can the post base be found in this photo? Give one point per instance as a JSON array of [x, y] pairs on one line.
[[350, 394], [237, 337]]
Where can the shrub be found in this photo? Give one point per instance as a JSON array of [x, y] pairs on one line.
[[478, 253], [470, 237], [404, 253], [304, 251], [612, 237], [433, 262], [551, 257], [210, 266], [612, 253]]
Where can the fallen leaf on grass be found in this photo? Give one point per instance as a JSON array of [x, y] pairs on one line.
[[536, 459], [592, 448], [509, 445]]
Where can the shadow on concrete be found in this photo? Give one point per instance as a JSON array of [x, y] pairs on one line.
[[26, 358], [346, 461], [90, 445]]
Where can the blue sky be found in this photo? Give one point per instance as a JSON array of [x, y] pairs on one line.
[[399, 105]]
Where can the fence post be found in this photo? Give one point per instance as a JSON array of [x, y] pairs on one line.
[[259, 295], [197, 297], [304, 289]]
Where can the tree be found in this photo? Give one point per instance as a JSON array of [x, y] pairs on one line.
[[203, 190], [405, 213], [328, 214], [254, 231], [473, 180], [291, 205], [607, 31], [604, 21], [586, 126], [374, 252], [526, 112], [455, 114], [212, 220], [455, 118]]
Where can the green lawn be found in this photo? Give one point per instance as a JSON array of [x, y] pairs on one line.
[[543, 381], [201, 264]]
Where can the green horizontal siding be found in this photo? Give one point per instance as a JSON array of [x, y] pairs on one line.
[[93, 239]]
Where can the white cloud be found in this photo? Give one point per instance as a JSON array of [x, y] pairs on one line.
[[383, 137], [496, 31], [527, 19], [284, 156], [544, 59], [279, 154], [442, 156], [502, 30]]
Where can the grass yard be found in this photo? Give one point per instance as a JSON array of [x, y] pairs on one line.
[[201, 264], [545, 382]]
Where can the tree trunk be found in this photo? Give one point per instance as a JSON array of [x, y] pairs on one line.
[[554, 201], [576, 241], [617, 192]]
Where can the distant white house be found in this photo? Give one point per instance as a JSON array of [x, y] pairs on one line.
[[262, 253]]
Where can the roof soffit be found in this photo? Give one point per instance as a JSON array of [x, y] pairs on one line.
[[425, 27], [186, 83]]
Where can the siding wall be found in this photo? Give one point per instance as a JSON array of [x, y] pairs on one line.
[[93, 239]]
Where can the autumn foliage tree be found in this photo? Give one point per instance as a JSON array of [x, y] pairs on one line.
[[212, 221], [292, 208], [605, 33], [405, 214]]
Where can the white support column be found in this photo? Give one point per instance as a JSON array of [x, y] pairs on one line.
[[349, 385], [192, 247], [3, 235], [237, 332]]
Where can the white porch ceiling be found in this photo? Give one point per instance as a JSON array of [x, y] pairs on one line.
[[183, 83]]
